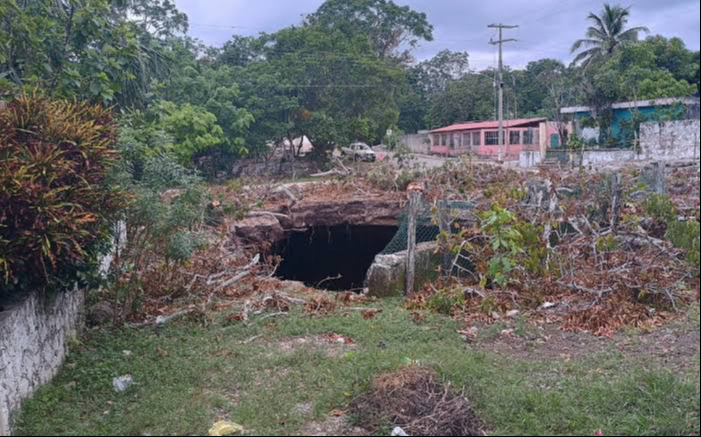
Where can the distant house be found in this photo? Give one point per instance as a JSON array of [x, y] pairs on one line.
[[481, 139], [623, 114]]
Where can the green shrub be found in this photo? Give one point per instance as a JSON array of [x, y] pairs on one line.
[[661, 208], [55, 203], [685, 235], [682, 234], [163, 219]]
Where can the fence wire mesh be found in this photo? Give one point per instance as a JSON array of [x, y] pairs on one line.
[[427, 229], [428, 223]]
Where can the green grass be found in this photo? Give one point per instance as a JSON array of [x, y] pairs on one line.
[[695, 315], [189, 376]]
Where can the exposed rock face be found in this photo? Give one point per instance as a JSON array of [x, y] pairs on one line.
[[260, 229], [357, 212], [265, 228], [387, 275]]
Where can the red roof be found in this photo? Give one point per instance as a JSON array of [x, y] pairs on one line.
[[481, 125]]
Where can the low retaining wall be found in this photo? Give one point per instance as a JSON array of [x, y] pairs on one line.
[[33, 335], [605, 157], [669, 141], [387, 275]]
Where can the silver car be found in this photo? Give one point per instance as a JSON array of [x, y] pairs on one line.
[[360, 152]]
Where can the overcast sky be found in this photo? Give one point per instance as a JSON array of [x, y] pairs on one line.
[[547, 27]]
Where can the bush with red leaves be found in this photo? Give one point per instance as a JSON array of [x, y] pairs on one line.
[[55, 202]]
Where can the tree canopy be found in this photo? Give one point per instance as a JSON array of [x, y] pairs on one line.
[[345, 73]]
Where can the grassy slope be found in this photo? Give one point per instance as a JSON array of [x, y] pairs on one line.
[[190, 376]]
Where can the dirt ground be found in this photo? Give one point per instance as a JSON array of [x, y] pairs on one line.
[[674, 345]]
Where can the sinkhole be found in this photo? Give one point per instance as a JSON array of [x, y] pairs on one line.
[[334, 258]]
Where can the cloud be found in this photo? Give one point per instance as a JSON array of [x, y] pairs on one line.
[[547, 27]]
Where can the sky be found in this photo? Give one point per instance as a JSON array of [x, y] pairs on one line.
[[547, 27]]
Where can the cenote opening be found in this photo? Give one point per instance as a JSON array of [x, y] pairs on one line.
[[334, 258]]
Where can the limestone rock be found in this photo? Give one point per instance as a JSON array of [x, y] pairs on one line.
[[259, 229], [387, 275]]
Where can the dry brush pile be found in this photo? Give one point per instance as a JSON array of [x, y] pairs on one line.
[[595, 252]]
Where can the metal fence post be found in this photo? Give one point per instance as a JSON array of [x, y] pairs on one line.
[[414, 206]]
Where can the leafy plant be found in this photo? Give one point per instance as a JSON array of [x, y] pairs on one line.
[[506, 243], [682, 234], [447, 300], [162, 232], [685, 235], [56, 203], [661, 208]]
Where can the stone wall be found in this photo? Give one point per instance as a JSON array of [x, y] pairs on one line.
[[606, 157], [33, 335], [677, 140]]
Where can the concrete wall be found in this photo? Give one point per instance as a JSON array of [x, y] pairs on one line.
[[530, 159], [417, 143], [605, 157], [677, 140], [387, 275], [33, 336]]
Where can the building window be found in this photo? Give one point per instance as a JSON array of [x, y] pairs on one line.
[[491, 138], [529, 137], [476, 139], [458, 140], [452, 141], [444, 140], [436, 140], [467, 140], [515, 138]]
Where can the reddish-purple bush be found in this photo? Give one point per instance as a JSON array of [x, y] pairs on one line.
[[55, 202]]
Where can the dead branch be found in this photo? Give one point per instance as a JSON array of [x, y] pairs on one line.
[[579, 288]]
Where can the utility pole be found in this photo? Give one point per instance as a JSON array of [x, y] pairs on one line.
[[501, 43]]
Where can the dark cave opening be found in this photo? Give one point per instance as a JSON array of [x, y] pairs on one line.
[[333, 258]]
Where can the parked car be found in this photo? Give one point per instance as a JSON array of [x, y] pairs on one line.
[[360, 152]]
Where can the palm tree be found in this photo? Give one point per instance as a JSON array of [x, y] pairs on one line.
[[606, 35]]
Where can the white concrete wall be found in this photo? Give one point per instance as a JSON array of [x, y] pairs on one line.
[[530, 159], [33, 337], [417, 143], [677, 140], [605, 157]]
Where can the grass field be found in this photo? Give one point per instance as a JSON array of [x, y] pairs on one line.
[[281, 375]]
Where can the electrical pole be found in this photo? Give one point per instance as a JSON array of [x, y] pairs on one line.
[[501, 43]]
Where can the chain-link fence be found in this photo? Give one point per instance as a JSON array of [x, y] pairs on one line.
[[424, 222]]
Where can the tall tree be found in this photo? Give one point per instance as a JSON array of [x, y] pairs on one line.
[[468, 99], [608, 33], [98, 50], [534, 86], [392, 30], [321, 83], [424, 81]]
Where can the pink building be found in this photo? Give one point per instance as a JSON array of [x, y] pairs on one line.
[[481, 139]]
